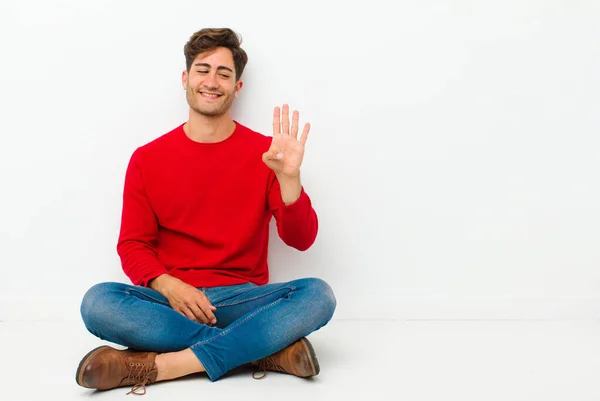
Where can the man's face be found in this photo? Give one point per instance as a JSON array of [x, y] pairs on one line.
[[210, 85]]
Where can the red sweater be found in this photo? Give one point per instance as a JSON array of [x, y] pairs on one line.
[[201, 211]]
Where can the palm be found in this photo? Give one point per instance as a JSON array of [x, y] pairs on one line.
[[285, 155], [293, 152]]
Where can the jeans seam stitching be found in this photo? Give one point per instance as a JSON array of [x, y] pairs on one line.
[[289, 287], [146, 295], [228, 329]]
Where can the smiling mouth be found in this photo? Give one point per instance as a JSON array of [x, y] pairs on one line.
[[210, 96]]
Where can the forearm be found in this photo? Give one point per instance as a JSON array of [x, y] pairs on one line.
[[138, 237], [138, 258], [291, 188], [297, 222]]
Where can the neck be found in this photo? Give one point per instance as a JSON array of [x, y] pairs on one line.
[[200, 128]]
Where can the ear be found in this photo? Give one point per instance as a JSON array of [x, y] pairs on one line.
[[238, 87], [184, 79]]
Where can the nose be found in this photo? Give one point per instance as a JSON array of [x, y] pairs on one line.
[[210, 81]]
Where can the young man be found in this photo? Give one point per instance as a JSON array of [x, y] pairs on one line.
[[197, 204]]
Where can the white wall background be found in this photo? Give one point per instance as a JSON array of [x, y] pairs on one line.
[[453, 158]]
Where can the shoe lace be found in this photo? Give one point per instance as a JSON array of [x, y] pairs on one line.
[[268, 363], [139, 376]]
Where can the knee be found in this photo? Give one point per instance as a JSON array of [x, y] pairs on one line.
[[96, 303], [322, 297]]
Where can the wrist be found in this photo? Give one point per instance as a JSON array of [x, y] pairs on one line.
[[290, 181], [291, 188], [162, 283]]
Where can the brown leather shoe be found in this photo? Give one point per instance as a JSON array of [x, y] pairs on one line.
[[297, 359], [104, 368]]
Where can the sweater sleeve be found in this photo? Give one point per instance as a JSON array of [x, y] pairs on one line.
[[297, 223], [138, 236]]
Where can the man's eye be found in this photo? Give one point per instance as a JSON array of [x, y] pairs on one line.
[[202, 72], [224, 76]]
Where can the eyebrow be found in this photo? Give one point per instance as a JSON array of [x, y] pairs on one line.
[[221, 67]]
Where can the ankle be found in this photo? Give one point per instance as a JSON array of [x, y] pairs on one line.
[[161, 365], [172, 365]]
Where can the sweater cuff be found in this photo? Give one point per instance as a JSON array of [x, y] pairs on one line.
[[149, 276], [298, 204]]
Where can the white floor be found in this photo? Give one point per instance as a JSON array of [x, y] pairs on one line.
[[376, 360]]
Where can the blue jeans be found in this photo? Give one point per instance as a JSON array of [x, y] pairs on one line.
[[252, 321]]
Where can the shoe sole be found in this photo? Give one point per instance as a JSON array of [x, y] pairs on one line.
[[79, 373], [314, 362]]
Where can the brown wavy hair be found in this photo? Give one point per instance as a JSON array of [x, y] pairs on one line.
[[209, 39]]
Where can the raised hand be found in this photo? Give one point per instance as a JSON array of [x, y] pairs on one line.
[[285, 155]]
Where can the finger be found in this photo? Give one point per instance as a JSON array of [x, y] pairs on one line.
[[272, 155], [276, 126], [286, 119], [305, 134], [275, 155], [188, 313], [295, 118], [199, 313], [205, 307]]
